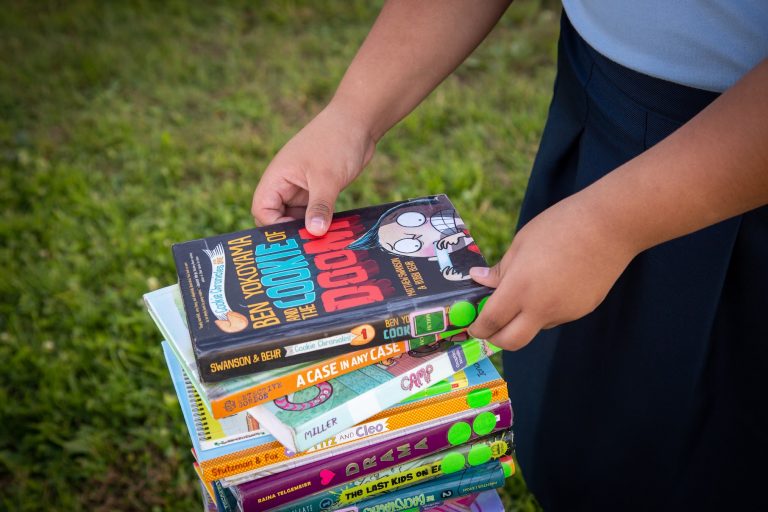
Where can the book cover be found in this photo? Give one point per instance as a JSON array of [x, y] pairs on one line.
[[208, 434], [485, 387], [309, 416], [284, 487], [236, 395], [408, 473], [276, 296]]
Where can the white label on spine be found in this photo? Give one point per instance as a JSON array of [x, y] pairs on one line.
[[311, 346]]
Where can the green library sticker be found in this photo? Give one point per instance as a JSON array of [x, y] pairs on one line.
[[452, 463], [484, 423], [479, 454], [462, 313], [479, 398], [460, 433]]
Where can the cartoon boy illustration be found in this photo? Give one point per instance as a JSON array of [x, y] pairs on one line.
[[425, 228]]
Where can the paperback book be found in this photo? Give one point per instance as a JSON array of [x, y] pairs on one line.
[[277, 296], [309, 416], [282, 488], [236, 395]]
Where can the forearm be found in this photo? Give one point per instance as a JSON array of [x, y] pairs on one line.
[[411, 48], [712, 168]]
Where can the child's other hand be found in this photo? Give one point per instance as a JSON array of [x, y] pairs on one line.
[[305, 177], [559, 267]]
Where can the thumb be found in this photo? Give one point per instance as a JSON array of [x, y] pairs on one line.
[[486, 276], [320, 209]]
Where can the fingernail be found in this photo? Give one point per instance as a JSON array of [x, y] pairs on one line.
[[479, 271], [316, 224]]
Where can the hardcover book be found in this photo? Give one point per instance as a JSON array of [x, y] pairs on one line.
[[277, 296], [408, 473], [282, 488], [309, 416], [238, 394], [483, 387]]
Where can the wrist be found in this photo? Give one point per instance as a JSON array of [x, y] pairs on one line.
[[357, 117], [350, 137], [606, 223]]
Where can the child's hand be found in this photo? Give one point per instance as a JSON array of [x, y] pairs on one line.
[[559, 267], [305, 177]]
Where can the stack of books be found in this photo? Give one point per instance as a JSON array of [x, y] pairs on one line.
[[335, 372]]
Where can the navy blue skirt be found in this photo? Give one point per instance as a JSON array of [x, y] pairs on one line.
[[657, 400]]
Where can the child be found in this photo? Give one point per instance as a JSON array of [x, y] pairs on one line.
[[640, 263]]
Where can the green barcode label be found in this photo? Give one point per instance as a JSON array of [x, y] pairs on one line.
[[429, 322]]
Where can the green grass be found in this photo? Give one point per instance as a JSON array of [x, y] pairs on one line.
[[128, 126]]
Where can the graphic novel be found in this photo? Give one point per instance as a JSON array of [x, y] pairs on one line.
[[276, 296]]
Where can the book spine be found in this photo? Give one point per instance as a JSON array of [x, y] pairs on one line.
[[303, 378], [393, 391], [433, 318], [294, 484], [423, 496], [273, 457], [225, 500], [410, 473]]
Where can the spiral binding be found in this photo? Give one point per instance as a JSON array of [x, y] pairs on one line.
[[202, 429]]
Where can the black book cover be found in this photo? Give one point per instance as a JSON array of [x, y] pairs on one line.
[[275, 296]]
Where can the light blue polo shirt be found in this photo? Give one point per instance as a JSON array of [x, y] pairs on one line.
[[704, 44]]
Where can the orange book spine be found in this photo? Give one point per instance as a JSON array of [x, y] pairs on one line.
[[265, 457], [304, 378]]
